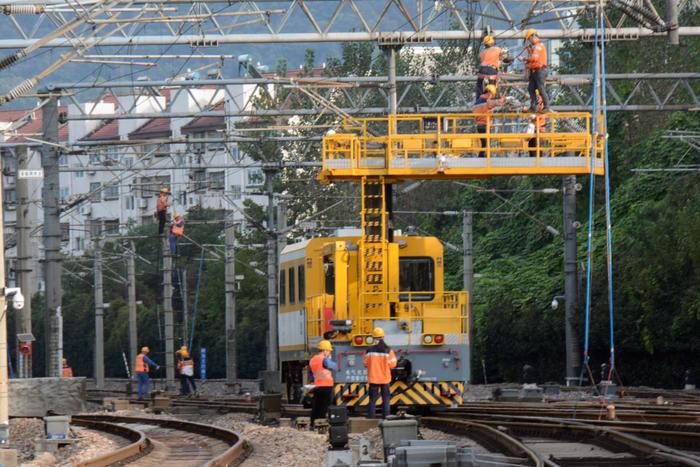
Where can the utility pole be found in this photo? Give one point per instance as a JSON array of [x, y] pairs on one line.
[[468, 278], [23, 317], [230, 286], [185, 310], [131, 278], [271, 270], [672, 21], [52, 236], [4, 379], [570, 280], [168, 317], [99, 316]]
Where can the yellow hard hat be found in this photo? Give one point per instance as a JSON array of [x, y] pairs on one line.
[[164, 189], [176, 216], [488, 40], [325, 345], [145, 350], [529, 33], [378, 333], [491, 88]]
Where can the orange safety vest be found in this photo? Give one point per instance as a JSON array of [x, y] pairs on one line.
[[483, 107], [379, 365], [186, 367], [67, 372], [178, 229], [537, 56], [162, 204], [323, 377], [141, 365], [491, 56]]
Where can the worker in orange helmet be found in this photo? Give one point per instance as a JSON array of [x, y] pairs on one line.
[[67, 370], [379, 360], [185, 367], [321, 368], [483, 107], [142, 367], [162, 206], [536, 62], [490, 63], [177, 230]]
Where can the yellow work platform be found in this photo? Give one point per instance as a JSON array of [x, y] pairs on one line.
[[451, 146]]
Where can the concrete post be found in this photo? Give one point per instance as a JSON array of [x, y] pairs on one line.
[[168, 318], [52, 235], [468, 277], [99, 316], [185, 309], [272, 354], [230, 289], [672, 21], [131, 278], [23, 318], [570, 279], [4, 379]]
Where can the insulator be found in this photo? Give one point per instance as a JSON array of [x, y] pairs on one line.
[[23, 88], [23, 9], [10, 60]]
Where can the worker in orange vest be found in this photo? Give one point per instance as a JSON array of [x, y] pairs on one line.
[[490, 64], [142, 368], [536, 126], [185, 367], [162, 206], [321, 368], [67, 371], [177, 230], [379, 360], [536, 62], [482, 108]]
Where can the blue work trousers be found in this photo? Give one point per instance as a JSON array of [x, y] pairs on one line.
[[536, 82], [142, 384], [374, 395], [173, 244]]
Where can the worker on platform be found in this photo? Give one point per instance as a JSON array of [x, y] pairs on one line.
[[379, 360], [185, 368], [142, 368], [483, 107], [177, 230], [67, 370], [321, 368], [490, 59], [162, 206], [536, 62], [537, 125]]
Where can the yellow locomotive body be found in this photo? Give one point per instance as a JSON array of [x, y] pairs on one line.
[[321, 296]]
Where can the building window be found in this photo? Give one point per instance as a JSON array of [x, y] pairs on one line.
[[217, 180], [95, 227], [95, 159], [129, 202], [112, 156], [150, 186], [65, 232], [79, 243], [63, 160], [95, 195], [236, 192], [292, 286], [111, 192], [255, 177], [302, 283], [111, 227], [416, 275], [199, 179], [129, 162], [235, 153], [10, 196], [217, 146], [283, 287], [63, 193]]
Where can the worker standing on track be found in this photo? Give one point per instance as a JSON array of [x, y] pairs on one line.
[[321, 368], [142, 367], [379, 360], [67, 370], [536, 62], [185, 367], [177, 230], [483, 107], [490, 64], [162, 206]]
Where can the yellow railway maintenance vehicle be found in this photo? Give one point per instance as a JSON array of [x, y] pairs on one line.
[[340, 288]]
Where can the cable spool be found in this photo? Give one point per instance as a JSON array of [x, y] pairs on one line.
[[11, 10]]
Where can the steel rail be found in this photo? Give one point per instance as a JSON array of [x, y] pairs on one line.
[[232, 456], [488, 436], [140, 443]]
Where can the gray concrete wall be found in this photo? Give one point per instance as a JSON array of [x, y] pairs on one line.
[[36, 397]]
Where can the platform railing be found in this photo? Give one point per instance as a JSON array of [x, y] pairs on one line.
[[405, 144]]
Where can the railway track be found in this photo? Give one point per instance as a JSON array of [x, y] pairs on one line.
[[162, 442], [565, 443]]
